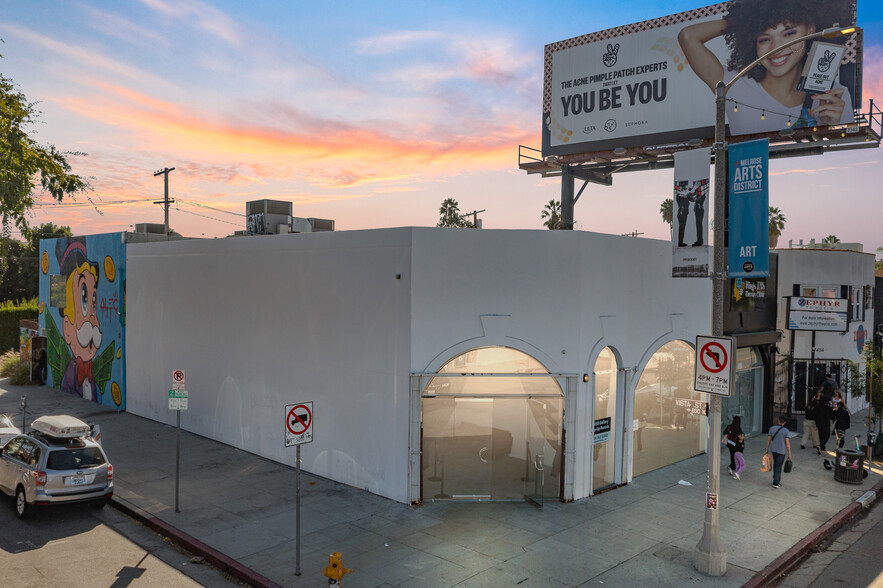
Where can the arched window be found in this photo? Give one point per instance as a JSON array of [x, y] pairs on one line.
[[668, 423], [492, 424]]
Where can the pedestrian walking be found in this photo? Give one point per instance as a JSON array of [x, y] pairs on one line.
[[739, 456], [731, 433], [810, 430], [779, 445], [841, 423], [828, 387], [823, 420]]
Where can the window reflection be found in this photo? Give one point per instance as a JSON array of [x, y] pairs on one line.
[[605, 429], [666, 431]]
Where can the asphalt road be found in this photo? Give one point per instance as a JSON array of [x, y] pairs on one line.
[[852, 557], [77, 546]]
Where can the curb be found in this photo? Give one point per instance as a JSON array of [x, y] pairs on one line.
[[791, 557], [217, 559]]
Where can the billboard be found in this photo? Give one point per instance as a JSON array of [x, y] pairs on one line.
[[651, 83]]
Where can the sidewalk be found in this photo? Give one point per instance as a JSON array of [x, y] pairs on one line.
[[239, 511]]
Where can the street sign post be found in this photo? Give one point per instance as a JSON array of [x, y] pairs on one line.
[[298, 430], [178, 401], [715, 366]]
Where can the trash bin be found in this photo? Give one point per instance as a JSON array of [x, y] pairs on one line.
[[849, 466]]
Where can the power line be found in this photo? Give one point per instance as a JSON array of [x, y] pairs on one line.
[[210, 207], [208, 217]]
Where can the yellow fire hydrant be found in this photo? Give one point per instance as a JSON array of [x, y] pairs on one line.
[[335, 571]]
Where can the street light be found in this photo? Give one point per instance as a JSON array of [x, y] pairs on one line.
[[711, 559]]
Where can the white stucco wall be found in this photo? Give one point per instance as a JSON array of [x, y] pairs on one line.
[[824, 267], [261, 322]]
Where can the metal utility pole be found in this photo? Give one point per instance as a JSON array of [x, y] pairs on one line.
[[710, 556], [474, 215], [165, 201]]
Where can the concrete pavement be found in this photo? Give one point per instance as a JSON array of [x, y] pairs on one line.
[[238, 510]]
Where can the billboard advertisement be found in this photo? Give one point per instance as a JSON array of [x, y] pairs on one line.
[[652, 82]]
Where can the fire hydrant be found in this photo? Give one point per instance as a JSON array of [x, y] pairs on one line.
[[335, 571]]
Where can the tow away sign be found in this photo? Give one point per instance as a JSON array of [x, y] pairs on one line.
[[298, 424], [715, 365]]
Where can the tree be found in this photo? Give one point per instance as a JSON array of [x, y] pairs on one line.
[[20, 263], [23, 160], [879, 263], [777, 223], [830, 241], [666, 209], [451, 216], [552, 213]]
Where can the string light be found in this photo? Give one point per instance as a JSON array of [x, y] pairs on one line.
[[736, 107], [789, 120], [762, 114]]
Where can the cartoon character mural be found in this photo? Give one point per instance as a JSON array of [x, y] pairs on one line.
[[86, 344]]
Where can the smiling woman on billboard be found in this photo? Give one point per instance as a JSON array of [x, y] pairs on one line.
[[769, 94]]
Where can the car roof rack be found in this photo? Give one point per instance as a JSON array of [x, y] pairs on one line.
[[61, 427]]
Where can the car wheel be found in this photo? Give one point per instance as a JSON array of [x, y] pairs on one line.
[[22, 508]]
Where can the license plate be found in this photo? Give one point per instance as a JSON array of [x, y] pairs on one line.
[[76, 480]]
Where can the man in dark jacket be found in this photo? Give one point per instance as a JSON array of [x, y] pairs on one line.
[[822, 416], [841, 423]]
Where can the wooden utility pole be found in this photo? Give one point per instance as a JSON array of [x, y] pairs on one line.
[[165, 201]]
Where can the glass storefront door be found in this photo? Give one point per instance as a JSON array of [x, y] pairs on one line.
[[746, 401], [492, 437]]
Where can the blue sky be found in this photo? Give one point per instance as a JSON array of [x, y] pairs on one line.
[[367, 113]]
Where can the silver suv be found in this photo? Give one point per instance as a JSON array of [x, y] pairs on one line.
[[58, 462]]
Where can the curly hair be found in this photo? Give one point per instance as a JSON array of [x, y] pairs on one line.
[[747, 18]]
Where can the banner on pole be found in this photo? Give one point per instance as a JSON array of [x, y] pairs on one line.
[[749, 247], [689, 214]]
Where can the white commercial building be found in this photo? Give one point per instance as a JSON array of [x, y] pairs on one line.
[[822, 339], [440, 363]]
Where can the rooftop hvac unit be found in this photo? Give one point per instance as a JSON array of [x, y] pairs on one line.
[[321, 224], [301, 225]]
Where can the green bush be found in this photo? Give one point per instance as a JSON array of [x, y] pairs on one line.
[[10, 314], [11, 367]]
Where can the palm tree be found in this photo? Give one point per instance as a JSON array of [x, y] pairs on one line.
[[830, 241], [451, 216], [552, 214], [777, 223], [666, 209]]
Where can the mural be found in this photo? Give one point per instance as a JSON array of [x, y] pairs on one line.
[[82, 314]]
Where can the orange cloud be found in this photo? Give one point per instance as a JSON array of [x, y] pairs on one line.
[[366, 154]]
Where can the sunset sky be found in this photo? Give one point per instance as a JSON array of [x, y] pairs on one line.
[[368, 113]]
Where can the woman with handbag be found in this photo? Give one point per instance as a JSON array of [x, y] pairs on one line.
[[731, 433], [779, 445]]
